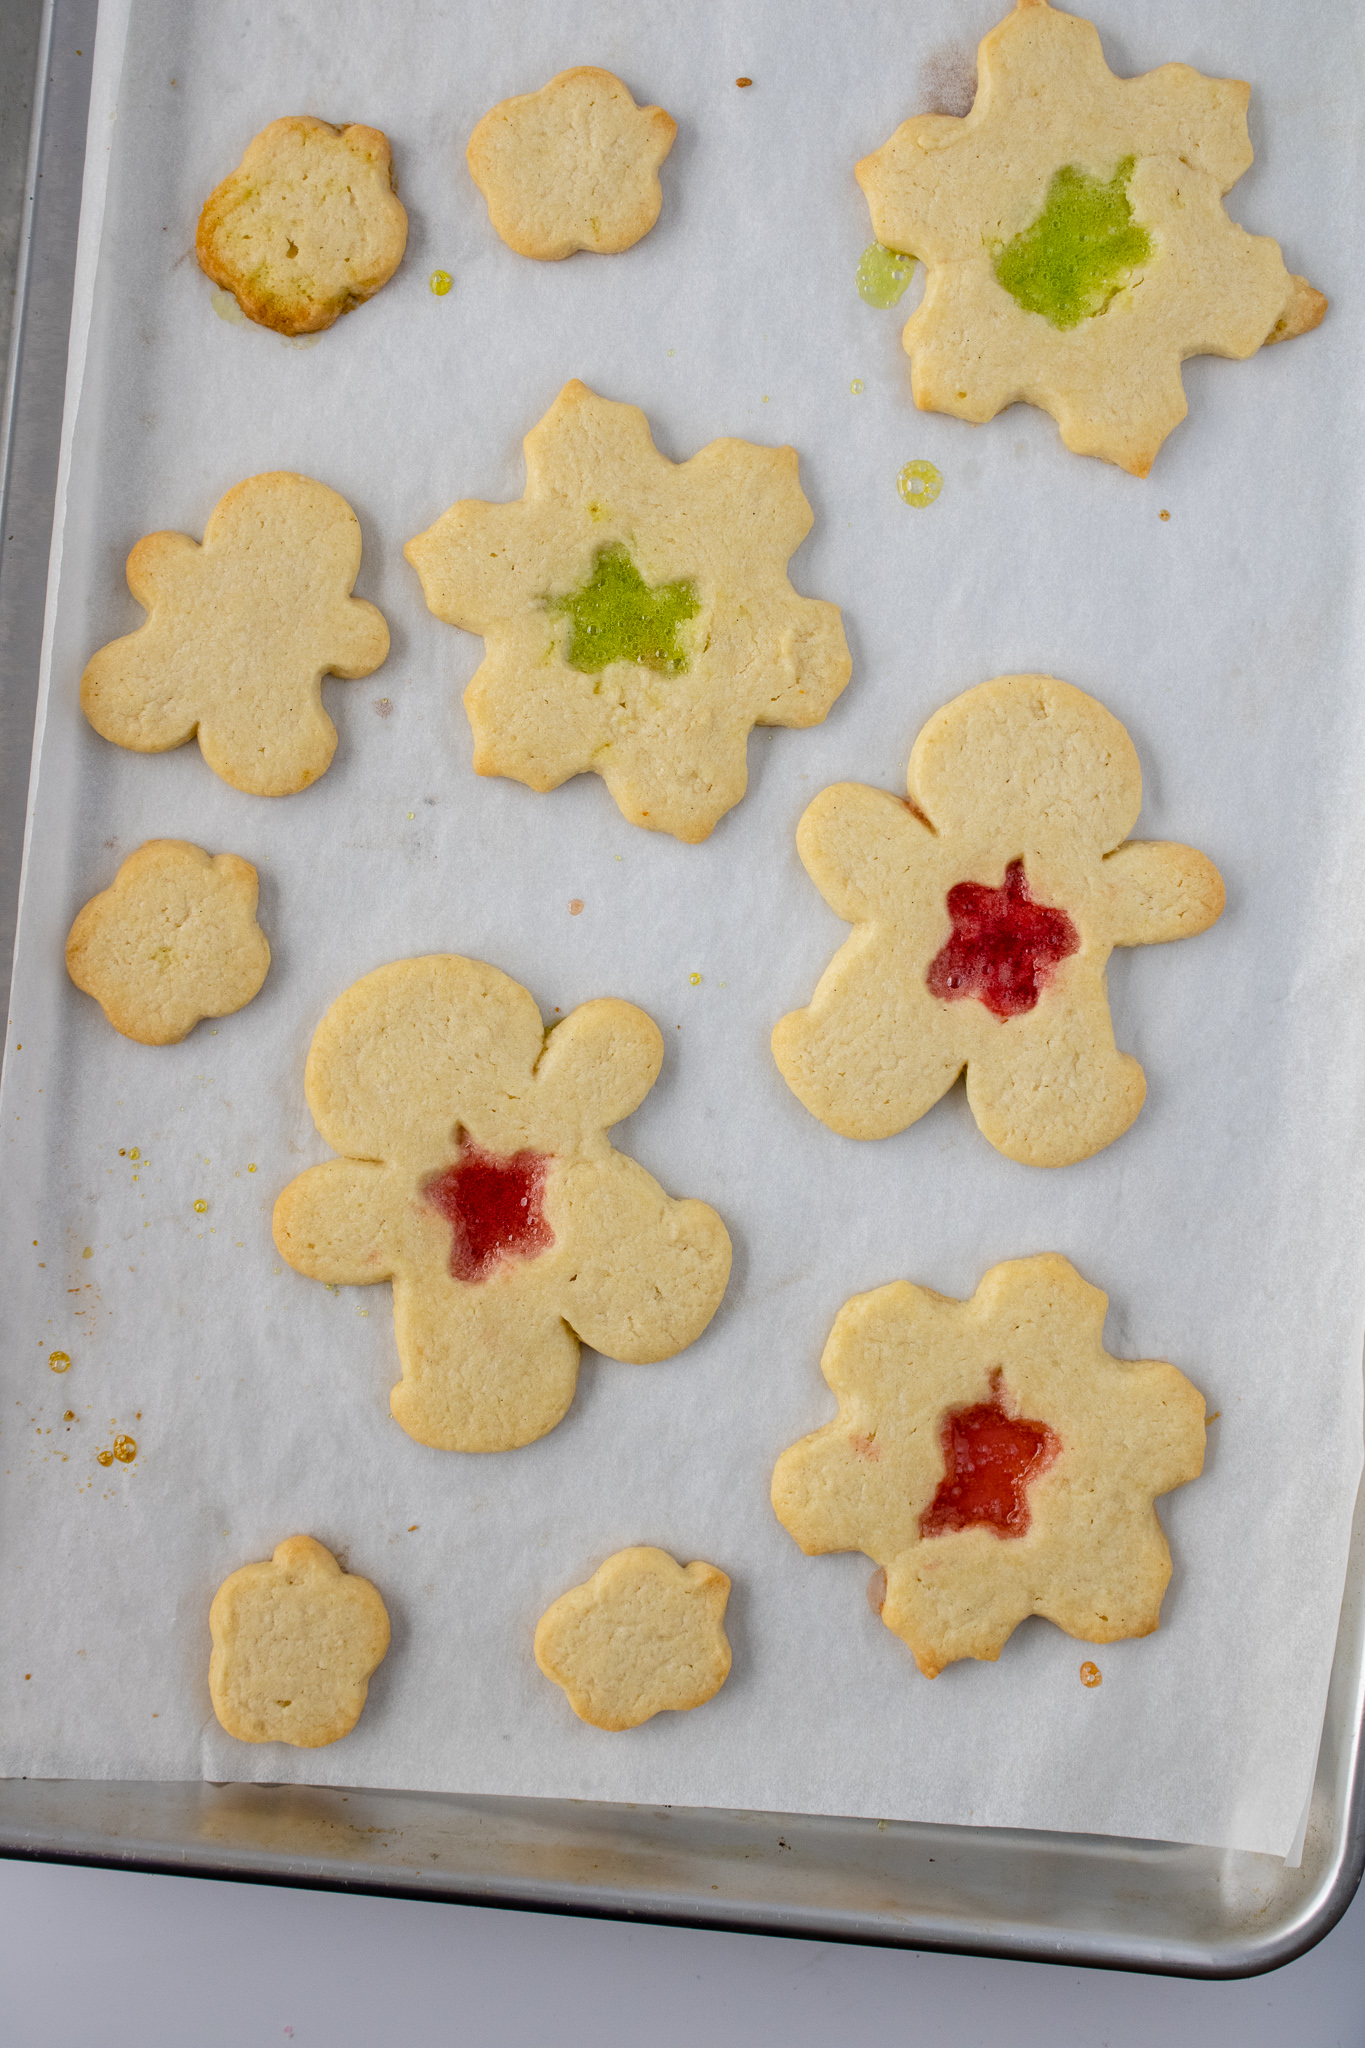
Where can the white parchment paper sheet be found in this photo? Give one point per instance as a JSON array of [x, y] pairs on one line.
[[1226, 1227]]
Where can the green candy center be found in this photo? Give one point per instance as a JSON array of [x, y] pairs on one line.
[[1078, 253], [616, 616]]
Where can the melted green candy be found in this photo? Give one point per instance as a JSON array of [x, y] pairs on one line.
[[883, 275], [617, 617], [1070, 263]]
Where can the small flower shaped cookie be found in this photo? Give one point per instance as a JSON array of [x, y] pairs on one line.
[[174, 939], [295, 1643], [986, 909], [636, 612], [478, 1177], [1077, 248], [995, 1461], [307, 227], [573, 166], [642, 1637], [239, 635]]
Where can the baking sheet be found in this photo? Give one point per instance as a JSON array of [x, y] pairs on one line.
[[1225, 1226]]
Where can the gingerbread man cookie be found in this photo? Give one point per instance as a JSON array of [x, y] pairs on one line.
[[636, 612], [573, 166], [307, 227], [642, 1637], [478, 1177], [295, 1643], [994, 1460], [1077, 248], [239, 635], [174, 939], [986, 909]]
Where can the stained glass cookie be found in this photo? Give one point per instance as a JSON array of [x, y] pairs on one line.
[[986, 907], [636, 614], [1077, 247], [477, 1176], [994, 1461]]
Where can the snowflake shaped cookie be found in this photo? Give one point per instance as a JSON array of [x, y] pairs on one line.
[[642, 1637], [1077, 248], [295, 1643], [307, 227], [986, 909], [573, 166], [636, 612], [239, 635], [995, 1461], [173, 939], [478, 1177]]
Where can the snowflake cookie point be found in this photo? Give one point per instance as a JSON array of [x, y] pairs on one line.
[[477, 1176], [985, 909], [574, 166], [642, 1636], [1017, 1462], [1075, 241], [238, 637], [637, 614], [173, 939], [295, 1643], [307, 227]]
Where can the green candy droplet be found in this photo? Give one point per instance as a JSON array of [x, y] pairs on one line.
[[1080, 251], [616, 616], [883, 275]]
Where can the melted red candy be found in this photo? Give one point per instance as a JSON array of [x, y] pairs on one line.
[[990, 1459], [494, 1208], [1004, 945]]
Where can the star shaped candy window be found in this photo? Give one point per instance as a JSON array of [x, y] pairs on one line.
[[239, 635], [476, 1175], [995, 1462], [986, 909], [1077, 247], [636, 614]]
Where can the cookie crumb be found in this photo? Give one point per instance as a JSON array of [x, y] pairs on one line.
[[743, 81], [1163, 515], [575, 906]]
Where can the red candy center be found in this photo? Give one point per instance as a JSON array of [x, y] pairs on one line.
[[1004, 946], [494, 1208], [990, 1459]]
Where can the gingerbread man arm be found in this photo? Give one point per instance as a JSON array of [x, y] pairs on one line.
[[1160, 891], [652, 1271], [332, 1223], [597, 1066], [856, 844]]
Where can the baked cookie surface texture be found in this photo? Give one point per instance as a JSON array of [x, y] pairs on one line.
[[173, 939], [986, 908], [238, 636], [295, 1643], [307, 227], [573, 166], [995, 1461], [643, 1636], [1077, 248], [478, 1177], [636, 613]]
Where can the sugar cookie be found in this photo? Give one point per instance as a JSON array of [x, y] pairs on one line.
[[573, 166], [642, 1637], [477, 1176], [238, 636], [995, 1461], [173, 939], [307, 227], [1077, 248], [295, 1643], [636, 612], [985, 910]]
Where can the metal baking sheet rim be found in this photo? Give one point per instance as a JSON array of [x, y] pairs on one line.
[[1090, 1900]]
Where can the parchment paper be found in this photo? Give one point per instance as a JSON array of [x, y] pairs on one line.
[[1226, 1227]]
